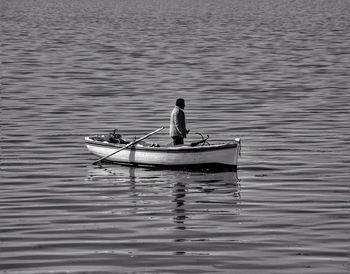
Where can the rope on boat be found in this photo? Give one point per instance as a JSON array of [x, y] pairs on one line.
[[203, 141]]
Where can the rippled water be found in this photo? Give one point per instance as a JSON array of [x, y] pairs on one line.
[[273, 72]]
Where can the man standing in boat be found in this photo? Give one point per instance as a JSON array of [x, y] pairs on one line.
[[178, 129]]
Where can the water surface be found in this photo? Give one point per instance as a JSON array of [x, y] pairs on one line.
[[272, 72]]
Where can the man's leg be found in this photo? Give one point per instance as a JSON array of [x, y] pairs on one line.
[[178, 140]]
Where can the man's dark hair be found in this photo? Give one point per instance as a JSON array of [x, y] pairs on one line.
[[180, 102]]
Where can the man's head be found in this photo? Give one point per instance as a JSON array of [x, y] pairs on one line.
[[180, 103]]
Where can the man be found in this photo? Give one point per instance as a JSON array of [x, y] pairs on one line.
[[178, 129]]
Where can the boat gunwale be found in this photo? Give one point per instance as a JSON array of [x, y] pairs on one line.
[[180, 149]]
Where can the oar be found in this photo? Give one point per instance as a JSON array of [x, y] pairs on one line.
[[128, 145]]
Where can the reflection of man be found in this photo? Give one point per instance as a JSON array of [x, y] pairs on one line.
[[179, 193], [178, 129]]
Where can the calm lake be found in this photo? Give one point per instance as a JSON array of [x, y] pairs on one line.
[[275, 73]]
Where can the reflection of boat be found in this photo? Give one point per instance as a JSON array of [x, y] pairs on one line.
[[223, 155], [218, 182], [199, 179]]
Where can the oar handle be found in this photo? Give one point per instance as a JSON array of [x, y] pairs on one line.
[[128, 145]]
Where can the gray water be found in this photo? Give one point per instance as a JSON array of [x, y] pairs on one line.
[[272, 72]]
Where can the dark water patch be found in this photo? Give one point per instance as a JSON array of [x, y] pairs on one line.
[[257, 168]]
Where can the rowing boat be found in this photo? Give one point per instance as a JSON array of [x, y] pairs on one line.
[[221, 155]]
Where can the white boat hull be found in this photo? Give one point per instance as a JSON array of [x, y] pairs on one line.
[[220, 154]]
